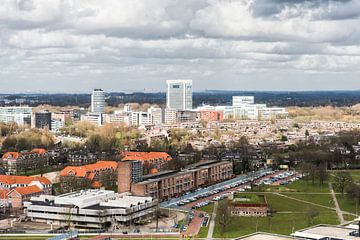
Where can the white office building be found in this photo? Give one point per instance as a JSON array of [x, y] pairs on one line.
[[179, 94], [238, 101], [19, 115], [141, 118], [98, 101], [156, 114], [94, 118], [101, 209]]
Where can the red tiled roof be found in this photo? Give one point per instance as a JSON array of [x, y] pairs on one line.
[[14, 155], [13, 179], [27, 190], [39, 150], [96, 184], [88, 170], [145, 156]]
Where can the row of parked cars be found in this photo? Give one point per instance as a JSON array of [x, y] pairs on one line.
[[245, 185]]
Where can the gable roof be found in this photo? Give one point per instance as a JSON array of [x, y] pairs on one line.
[[88, 170], [13, 179], [26, 190], [14, 155], [145, 156]]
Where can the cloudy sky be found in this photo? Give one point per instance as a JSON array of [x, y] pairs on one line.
[[135, 45]]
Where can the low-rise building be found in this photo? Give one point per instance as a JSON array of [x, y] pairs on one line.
[[16, 162], [73, 176], [248, 205], [17, 189], [153, 159], [100, 209], [168, 184]]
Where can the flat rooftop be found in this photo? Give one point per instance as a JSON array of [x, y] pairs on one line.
[[265, 236], [321, 231]]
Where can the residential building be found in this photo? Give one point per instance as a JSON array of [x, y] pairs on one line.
[[168, 184], [18, 196], [98, 101], [131, 172], [98, 209], [19, 115], [41, 120], [179, 94], [80, 157], [16, 162], [90, 173], [152, 159], [21, 188]]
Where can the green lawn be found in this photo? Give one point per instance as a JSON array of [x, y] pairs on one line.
[[322, 199], [347, 204], [289, 216], [204, 230], [307, 186]]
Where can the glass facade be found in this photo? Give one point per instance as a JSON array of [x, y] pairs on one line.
[[179, 94]]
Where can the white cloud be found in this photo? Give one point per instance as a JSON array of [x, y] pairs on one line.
[[216, 39]]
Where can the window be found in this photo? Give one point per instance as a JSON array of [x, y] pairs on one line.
[[176, 86]]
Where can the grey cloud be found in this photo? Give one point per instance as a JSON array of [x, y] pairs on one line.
[[121, 43]]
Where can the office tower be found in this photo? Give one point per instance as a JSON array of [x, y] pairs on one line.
[[98, 101], [179, 94], [41, 120], [242, 100]]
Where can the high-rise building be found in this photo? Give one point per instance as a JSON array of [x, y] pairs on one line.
[[98, 101], [179, 94]]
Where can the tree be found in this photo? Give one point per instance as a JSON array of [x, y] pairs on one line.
[[108, 178], [342, 180], [310, 214], [224, 216]]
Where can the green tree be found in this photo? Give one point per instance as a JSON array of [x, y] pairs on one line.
[[341, 181]]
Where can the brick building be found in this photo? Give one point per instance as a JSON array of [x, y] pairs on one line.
[[90, 173], [210, 115], [152, 159], [16, 162], [21, 188], [248, 205], [168, 184]]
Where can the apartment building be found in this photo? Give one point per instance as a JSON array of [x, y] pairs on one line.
[[154, 159], [168, 184], [90, 172], [96, 209], [21, 188], [16, 162]]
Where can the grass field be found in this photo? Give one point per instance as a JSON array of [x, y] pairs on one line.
[[289, 216], [322, 199], [204, 230]]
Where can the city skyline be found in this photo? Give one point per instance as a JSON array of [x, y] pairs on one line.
[[73, 46]]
